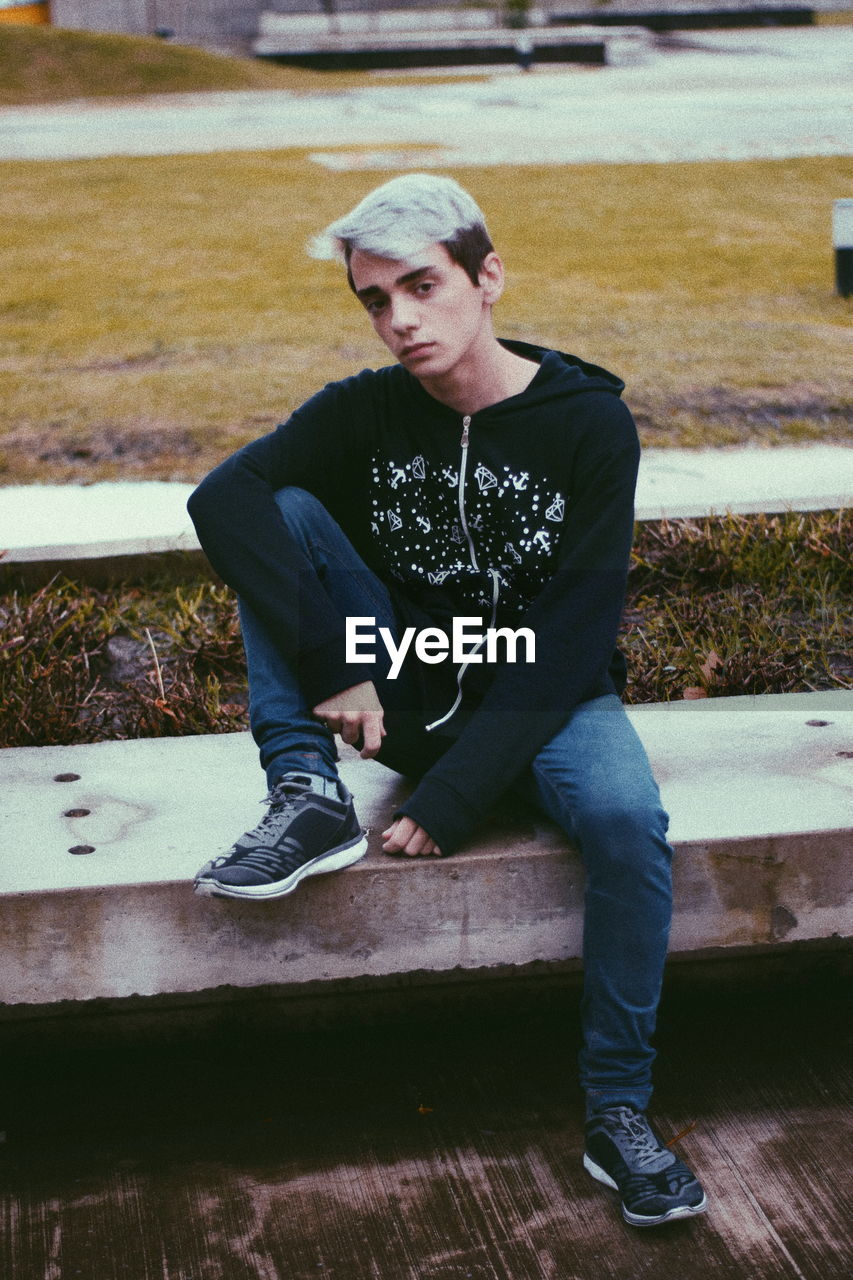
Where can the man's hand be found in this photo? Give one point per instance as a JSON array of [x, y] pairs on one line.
[[405, 836], [355, 713]]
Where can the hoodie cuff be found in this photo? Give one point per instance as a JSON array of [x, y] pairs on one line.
[[446, 816]]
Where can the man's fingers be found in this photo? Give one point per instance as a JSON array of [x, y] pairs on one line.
[[398, 835], [373, 731], [349, 731], [369, 728], [355, 713], [405, 836]]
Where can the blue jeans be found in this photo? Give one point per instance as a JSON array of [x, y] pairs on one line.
[[593, 779]]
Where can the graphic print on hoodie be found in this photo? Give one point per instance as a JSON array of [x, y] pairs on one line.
[[513, 522]]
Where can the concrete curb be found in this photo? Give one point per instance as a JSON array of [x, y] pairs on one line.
[[760, 791]]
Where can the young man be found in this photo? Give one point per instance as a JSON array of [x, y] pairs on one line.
[[473, 479]]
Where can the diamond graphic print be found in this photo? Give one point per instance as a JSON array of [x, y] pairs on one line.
[[484, 478]]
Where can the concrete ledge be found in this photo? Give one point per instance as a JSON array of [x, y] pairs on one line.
[[413, 48], [760, 791]]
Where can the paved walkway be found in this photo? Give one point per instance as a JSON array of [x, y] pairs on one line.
[[720, 95], [72, 522]]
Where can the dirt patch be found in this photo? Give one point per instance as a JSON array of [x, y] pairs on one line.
[[122, 451], [771, 414]]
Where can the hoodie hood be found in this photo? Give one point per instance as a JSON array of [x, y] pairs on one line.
[[562, 374], [559, 375]]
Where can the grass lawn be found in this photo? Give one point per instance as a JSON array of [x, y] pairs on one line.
[[157, 313]]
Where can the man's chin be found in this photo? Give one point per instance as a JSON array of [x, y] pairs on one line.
[[429, 364]]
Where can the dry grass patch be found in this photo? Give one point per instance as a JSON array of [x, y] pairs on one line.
[[157, 313], [746, 604], [47, 64]]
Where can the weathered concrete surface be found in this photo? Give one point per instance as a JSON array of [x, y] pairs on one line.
[[62, 523], [760, 791]]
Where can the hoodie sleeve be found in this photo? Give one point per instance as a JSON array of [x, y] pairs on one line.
[[246, 540], [575, 619]]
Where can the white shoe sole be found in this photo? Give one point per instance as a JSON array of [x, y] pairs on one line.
[[334, 860], [637, 1220]]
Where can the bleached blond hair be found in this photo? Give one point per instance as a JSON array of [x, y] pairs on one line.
[[403, 216]]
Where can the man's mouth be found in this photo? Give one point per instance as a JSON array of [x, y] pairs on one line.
[[416, 349]]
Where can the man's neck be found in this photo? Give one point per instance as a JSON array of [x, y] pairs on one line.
[[495, 374]]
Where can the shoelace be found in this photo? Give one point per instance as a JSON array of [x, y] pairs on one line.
[[640, 1138], [284, 795]]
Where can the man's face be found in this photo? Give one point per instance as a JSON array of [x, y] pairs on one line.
[[426, 309]]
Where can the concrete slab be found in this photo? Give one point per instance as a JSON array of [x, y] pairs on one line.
[[720, 95], [83, 523], [678, 483], [43, 522], [760, 792]]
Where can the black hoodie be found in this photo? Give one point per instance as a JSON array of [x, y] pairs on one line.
[[521, 515]]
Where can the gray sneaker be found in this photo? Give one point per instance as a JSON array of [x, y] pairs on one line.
[[625, 1153], [302, 834]]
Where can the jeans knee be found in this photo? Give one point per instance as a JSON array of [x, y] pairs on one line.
[[624, 834], [297, 506]]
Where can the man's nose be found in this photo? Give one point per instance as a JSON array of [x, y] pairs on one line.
[[404, 314]]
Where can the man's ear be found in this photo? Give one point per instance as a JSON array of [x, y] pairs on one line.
[[491, 277]]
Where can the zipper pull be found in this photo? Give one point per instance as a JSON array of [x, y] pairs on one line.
[[466, 423]]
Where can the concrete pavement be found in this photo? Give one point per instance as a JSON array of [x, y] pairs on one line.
[[720, 95]]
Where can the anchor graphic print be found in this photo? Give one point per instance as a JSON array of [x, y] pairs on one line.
[[511, 519]]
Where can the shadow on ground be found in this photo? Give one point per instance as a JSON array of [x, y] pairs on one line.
[[430, 1136]]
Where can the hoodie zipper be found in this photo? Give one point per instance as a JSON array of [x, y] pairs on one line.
[[493, 574], [466, 427]]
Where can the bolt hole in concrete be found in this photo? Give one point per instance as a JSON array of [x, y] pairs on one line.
[[82, 848], [845, 755], [819, 724], [77, 813], [67, 777]]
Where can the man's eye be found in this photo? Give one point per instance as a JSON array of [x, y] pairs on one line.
[[425, 286], [373, 308]]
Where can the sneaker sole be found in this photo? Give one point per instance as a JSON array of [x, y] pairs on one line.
[[636, 1219], [333, 860]]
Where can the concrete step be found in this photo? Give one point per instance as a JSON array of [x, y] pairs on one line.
[[101, 842], [74, 525]]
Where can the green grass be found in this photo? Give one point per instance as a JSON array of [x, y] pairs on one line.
[[157, 313], [746, 604]]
